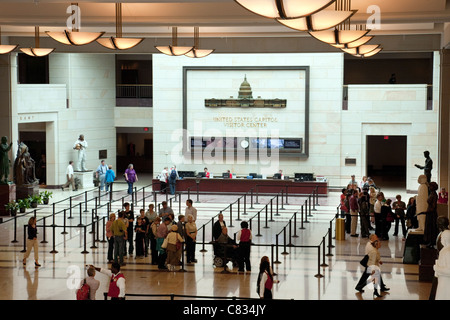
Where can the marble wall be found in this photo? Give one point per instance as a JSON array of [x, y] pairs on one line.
[[335, 134], [80, 99]]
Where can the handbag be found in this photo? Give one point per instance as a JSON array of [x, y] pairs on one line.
[[178, 245], [364, 261]]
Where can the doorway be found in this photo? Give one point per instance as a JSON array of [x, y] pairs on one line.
[[386, 160], [36, 143]]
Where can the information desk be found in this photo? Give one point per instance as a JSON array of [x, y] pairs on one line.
[[242, 185]]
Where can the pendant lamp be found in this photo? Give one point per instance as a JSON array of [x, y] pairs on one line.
[[37, 51], [196, 52], [174, 49], [284, 9], [6, 48], [118, 42], [74, 37], [325, 19]]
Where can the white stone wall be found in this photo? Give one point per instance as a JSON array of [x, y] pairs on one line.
[[334, 133], [326, 76], [80, 99]]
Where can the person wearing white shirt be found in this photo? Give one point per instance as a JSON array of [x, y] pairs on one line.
[[117, 281], [70, 177], [101, 174], [164, 178]]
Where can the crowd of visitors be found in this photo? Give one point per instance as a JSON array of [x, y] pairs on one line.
[[365, 202]]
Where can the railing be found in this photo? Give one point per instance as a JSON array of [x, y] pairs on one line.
[[135, 91]]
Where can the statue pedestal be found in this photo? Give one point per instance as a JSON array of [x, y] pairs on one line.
[[7, 194], [86, 179], [411, 253], [26, 190]]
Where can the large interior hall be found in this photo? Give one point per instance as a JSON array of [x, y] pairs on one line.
[[263, 110]]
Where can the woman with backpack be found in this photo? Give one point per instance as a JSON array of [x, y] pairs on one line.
[[265, 280], [173, 177]]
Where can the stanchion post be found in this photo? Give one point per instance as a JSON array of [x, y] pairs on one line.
[[259, 224], [85, 232], [15, 230], [85, 202], [284, 242], [64, 223], [54, 239], [276, 250], [318, 275], [323, 253], [44, 232]]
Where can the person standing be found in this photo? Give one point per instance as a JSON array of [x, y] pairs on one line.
[[101, 174], [174, 247], [129, 215], [117, 284], [93, 283], [377, 215], [399, 209], [32, 242], [173, 177], [265, 280], [443, 196], [354, 212], [70, 177], [110, 177], [163, 179], [165, 210], [110, 236], [161, 234], [364, 205], [146, 228], [119, 230], [130, 177], [190, 209], [244, 237], [151, 213], [81, 145], [152, 235], [140, 238], [191, 236]]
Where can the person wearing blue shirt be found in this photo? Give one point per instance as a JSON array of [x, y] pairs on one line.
[[101, 174], [110, 176]]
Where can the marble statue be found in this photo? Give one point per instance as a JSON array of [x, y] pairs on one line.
[[24, 167], [4, 160], [421, 202], [443, 224], [81, 145], [442, 268], [427, 167]]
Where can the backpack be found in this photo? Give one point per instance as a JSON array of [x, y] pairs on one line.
[[83, 292], [173, 175]]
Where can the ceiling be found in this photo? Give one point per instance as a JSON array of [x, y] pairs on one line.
[[406, 25]]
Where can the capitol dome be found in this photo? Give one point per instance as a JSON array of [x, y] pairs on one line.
[[245, 91]]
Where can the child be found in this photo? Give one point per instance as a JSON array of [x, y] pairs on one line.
[[244, 237], [110, 176], [140, 237]]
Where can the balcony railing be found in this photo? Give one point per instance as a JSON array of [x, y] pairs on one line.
[[134, 91]]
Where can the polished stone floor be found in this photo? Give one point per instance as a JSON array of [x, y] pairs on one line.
[[304, 270]]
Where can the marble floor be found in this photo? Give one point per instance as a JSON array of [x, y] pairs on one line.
[[304, 272]]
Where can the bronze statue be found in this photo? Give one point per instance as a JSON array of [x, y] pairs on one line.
[[4, 160], [427, 167], [24, 167]]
